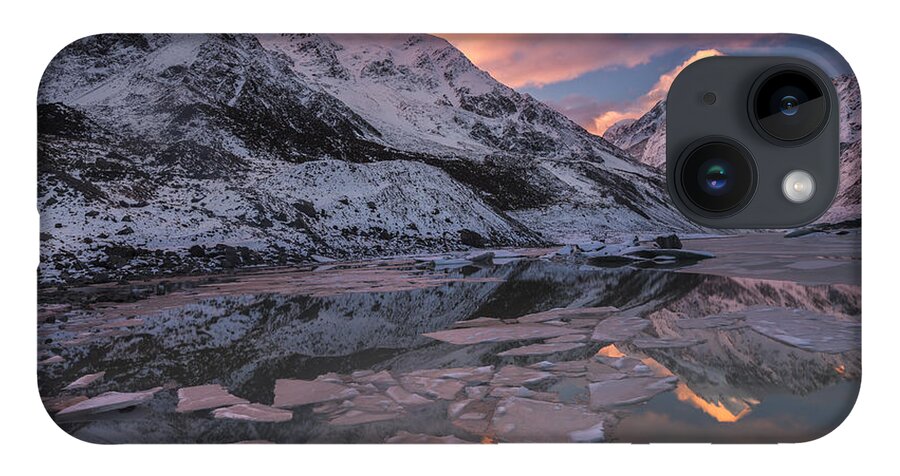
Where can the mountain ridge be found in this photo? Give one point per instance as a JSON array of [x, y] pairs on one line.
[[166, 154]]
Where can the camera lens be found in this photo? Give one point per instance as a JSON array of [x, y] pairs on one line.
[[790, 104], [717, 176]]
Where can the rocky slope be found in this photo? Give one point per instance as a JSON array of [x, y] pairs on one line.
[[643, 138], [186, 153]]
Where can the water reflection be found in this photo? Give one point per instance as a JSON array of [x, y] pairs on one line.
[[249, 331]]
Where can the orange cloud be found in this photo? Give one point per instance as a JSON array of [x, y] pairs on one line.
[[537, 60], [643, 104]]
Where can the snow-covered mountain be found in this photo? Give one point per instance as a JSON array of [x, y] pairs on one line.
[[424, 95], [848, 202], [645, 140], [180, 153]]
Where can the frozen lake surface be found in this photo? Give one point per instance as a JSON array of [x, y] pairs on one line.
[[739, 347]]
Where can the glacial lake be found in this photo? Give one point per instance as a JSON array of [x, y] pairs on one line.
[[760, 343]]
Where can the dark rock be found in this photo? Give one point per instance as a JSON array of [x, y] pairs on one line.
[[46, 236], [306, 208], [127, 218], [125, 231], [471, 238], [669, 242], [197, 251]]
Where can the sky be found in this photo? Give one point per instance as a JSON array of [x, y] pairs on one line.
[[598, 80]]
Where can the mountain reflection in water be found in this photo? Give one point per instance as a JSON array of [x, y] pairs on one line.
[[248, 331]]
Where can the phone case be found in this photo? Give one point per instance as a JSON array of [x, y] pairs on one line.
[[420, 239]]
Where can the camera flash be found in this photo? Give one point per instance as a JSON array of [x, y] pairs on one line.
[[798, 186]]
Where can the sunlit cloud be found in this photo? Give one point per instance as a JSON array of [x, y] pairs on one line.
[[644, 103], [582, 109], [538, 60]]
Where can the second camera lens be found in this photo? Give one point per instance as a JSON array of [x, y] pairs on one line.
[[790, 105]]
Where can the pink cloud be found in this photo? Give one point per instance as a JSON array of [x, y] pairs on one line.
[[519, 60], [583, 109], [644, 103], [537, 60]]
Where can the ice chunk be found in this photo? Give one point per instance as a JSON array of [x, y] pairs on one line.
[[499, 333], [804, 329], [108, 401], [84, 381], [628, 391], [665, 343], [514, 376], [480, 256], [593, 434], [444, 389], [541, 349], [421, 438], [294, 393], [205, 397], [568, 313], [253, 412], [405, 398], [526, 420], [618, 328]]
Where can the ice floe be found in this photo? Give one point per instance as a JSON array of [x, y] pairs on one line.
[[205, 397], [444, 389], [108, 401], [405, 398], [421, 438], [541, 349], [524, 419], [295, 393], [84, 381], [514, 376], [805, 329], [567, 313], [618, 328], [254, 412], [627, 391], [665, 343], [663, 250], [499, 333]]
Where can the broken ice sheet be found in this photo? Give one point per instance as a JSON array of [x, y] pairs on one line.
[[514, 376], [527, 420], [804, 329], [61, 402], [254, 412], [665, 343], [421, 438], [84, 381], [405, 398], [205, 397], [618, 328], [294, 393], [540, 349], [628, 391], [499, 333], [108, 401], [710, 322], [568, 313], [444, 389]]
